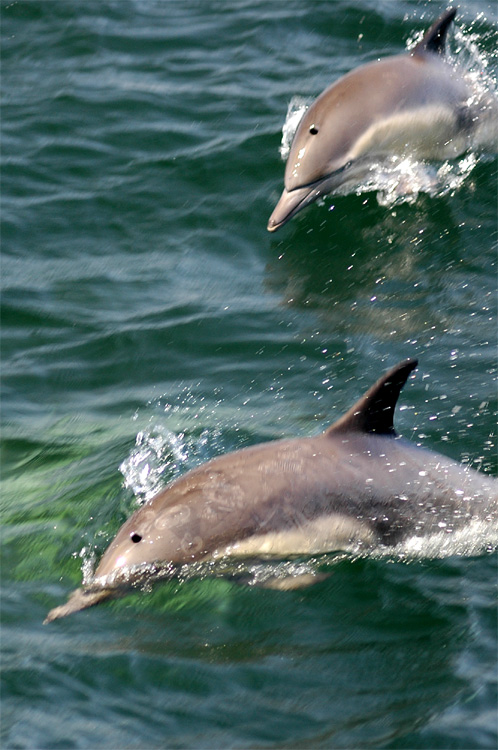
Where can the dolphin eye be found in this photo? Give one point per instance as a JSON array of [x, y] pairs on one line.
[[135, 538], [313, 130]]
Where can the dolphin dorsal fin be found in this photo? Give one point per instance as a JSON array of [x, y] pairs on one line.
[[435, 38], [374, 412]]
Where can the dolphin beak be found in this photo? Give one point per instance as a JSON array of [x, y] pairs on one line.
[[291, 201], [80, 599]]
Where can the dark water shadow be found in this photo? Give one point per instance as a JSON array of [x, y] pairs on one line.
[[336, 256]]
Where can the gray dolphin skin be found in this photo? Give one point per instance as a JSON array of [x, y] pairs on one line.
[[410, 104], [355, 486]]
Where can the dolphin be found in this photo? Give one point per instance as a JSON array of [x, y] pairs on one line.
[[414, 103], [356, 486]]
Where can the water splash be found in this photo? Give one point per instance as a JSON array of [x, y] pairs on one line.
[[157, 451], [160, 455], [477, 538], [399, 180], [295, 112]]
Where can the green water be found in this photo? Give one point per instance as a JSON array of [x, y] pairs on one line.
[[149, 322]]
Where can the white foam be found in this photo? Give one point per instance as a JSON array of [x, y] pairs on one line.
[[295, 111], [476, 538], [157, 450]]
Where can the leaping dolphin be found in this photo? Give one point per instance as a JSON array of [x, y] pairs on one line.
[[355, 486], [414, 104]]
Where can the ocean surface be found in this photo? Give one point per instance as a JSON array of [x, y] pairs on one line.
[[150, 322]]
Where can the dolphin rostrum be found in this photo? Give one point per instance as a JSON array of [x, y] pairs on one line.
[[356, 486], [409, 104]]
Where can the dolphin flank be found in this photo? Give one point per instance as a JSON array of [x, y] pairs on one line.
[[356, 485], [410, 104]]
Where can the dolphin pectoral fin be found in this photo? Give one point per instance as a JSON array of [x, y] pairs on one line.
[[282, 581], [81, 599], [293, 583], [435, 38], [290, 202]]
